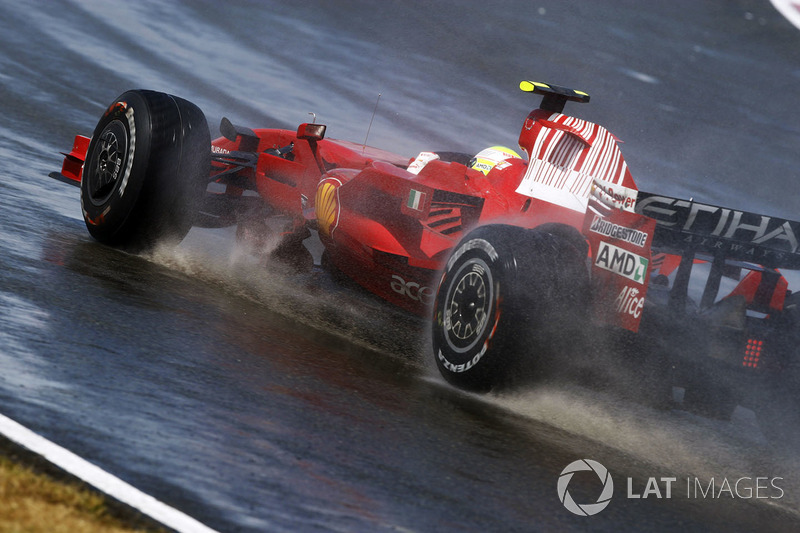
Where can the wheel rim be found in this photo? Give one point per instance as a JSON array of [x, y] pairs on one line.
[[109, 162], [468, 305]]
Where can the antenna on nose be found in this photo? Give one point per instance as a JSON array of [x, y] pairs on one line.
[[364, 147]]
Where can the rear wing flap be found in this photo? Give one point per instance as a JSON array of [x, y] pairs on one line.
[[686, 227]]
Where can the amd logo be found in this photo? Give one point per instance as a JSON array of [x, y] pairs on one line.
[[622, 262]]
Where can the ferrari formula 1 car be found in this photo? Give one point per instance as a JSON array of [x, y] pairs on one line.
[[514, 259]]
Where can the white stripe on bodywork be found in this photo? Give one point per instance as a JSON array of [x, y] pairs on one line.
[[553, 173]]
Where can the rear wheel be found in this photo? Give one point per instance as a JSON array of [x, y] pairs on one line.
[[507, 300], [146, 170]]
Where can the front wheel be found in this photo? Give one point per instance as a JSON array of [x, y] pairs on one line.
[[146, 170], [507, 298]]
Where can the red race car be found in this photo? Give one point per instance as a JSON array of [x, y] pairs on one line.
[[511, 256]]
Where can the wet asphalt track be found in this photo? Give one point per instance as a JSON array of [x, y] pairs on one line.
[[255, 400]]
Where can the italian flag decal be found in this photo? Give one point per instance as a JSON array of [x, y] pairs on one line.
[[415, 200]]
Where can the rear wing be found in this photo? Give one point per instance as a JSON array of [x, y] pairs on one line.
[[686, 227], [554, 96]]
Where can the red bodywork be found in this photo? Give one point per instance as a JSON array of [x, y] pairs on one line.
[[391, 226], [391, 230]]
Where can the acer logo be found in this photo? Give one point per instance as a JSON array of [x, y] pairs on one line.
[[720, 222], [622, 262], [411, 289], [629, 302]]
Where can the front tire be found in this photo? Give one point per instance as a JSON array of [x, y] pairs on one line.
[[146, 170], [507, 299]]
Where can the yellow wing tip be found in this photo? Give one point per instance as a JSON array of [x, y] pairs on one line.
[[553, 93], [530, 86]]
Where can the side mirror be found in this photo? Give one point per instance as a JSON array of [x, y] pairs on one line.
[[227, 129], [232, 132], [311, 132]]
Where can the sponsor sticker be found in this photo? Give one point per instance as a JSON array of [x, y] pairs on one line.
[[326, 205], [629, 301], [411, 289], [622, 262], [421, 160], [620, 250], [737, 233], [607, 195], [603, 226]]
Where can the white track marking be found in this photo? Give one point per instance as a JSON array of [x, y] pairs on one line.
[[790, 9], [100, 479]]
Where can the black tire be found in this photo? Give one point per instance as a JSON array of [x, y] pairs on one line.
[[146, 170], [502, 305]]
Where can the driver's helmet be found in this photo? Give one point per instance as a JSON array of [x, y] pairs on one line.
[[489, 157]]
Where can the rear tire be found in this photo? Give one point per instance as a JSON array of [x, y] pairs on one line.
[[146, 170], [509, 298]]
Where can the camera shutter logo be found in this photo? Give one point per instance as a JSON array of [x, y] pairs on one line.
[[585, 509]]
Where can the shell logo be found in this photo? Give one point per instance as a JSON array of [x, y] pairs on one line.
[[326, 205]]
